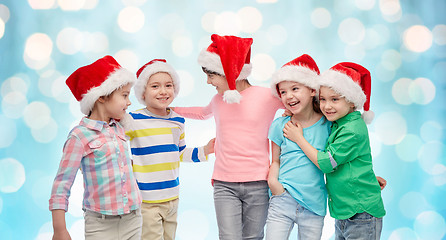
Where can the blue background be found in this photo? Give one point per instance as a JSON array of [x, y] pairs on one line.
[[402, 43]]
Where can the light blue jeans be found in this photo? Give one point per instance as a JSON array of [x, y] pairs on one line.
[[241, 209], [362, 226], [284, 211]]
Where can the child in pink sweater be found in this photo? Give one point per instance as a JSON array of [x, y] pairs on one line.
[[243, 114]]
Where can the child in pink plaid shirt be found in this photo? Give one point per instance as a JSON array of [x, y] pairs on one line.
[[98, 147]]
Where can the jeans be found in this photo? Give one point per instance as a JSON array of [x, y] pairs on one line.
[[284, 211], [241, 209], [361, 226]]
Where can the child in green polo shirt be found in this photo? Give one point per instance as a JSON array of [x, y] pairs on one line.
[[354, 194]]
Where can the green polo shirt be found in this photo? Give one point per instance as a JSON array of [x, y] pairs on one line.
[[347, 162]]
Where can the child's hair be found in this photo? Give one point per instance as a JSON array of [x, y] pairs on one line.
[[316, 106], [207, 71]]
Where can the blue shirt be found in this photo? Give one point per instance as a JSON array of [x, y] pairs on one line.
[[298, 175]]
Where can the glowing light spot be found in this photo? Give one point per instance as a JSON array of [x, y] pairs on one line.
[[39, 197], [407, 147], [46, 133], [417, 38], [2, 28], [383, 74], [266, 1], [354, 53], [41, 4], [46, 81], [365, 4], [422, 91], [391, 128], [391, 59], [131, 19], [208, 21], [38, 47], [187, 83], [4, 13], [412, 204], [430, 154], [431, 131], [134, 2], [375, 144], [251, 19], [170, 26], [71, 5], [69, 41], [263, 67], [128, 59], [37, 115], [90, 4], [60, 91], [189, 218], [430, 225], [351, 31], [12, 175], [96, 42], [182, 46], [400, 91], [8, 131], [389, 7], [13, 104], [403, 234], [439, 33], [14, 84], [320, 18], [277, 35], [228, 23]]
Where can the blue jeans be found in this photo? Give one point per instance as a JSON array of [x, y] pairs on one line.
[[241, 209], [361, 226], [284, 211]]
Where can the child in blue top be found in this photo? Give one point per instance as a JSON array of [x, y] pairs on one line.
[[297, 185]]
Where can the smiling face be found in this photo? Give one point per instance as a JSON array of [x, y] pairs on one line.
[[218, 81], [295, 96], [333, 105], [116, 104], [159, 93]]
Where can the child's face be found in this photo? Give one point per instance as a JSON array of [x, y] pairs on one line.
[[333, 105], [159, 93], [295, 96], [218, 81], [116, 104]]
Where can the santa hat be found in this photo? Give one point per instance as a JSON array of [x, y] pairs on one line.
[[303, 70], [352, 81], [98, 79], [150, 68], [228, 56]]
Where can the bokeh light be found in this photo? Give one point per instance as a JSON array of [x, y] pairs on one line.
[[182, 46], [4, 13], [431, 131], [365, 4], [417, 38], [69, 41], [422, 91], [351, 31], [430, 225], [439, 34], [12, 175], [187, 83], [263, 67], [228, 23], [71, 5], [390, 127], [8, 131], [131, 19], [41, 4], [251, 19], [277, 35]]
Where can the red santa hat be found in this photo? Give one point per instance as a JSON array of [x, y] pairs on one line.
[[150, 68], [352, 81], [230, 57], [98, 79], [303, 70]]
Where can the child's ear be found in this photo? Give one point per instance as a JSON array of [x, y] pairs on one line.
[[101, 99], [313, 92]]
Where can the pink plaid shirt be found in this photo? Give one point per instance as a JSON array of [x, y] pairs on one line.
[[100, 150]]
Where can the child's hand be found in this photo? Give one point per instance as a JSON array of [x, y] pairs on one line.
[[276, 187], [209, 148], [61, 235], [287, 113], [292, 132], [382, 182]]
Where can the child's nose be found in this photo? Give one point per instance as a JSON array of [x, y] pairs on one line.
[[208, 81]]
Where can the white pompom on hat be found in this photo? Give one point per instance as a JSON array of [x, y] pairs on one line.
[[101, 78], [150, 68], [302, 69], [353, 82], [230, 57]]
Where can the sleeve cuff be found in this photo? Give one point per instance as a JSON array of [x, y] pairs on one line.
[[326, 162]]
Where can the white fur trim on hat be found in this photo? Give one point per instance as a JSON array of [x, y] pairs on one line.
[[232, 96], [149, 70], [115, 80], [294, 73], [368, 116], [345, 86], [212, 62]]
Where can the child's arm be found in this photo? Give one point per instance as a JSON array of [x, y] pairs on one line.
[[295, 134], [200, 113], [59, 225], [273, 176]]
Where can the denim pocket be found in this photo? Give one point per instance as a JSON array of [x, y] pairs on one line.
[[361, 217]]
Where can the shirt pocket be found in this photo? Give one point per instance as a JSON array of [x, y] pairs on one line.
[[99, 149]]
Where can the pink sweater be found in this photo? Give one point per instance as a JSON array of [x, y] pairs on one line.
[[241, 147]]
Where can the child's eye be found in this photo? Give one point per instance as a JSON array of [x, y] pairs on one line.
[[154, 86], [321, 99], [335, 99], [282, 92], [169, 85], [295, 88]]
